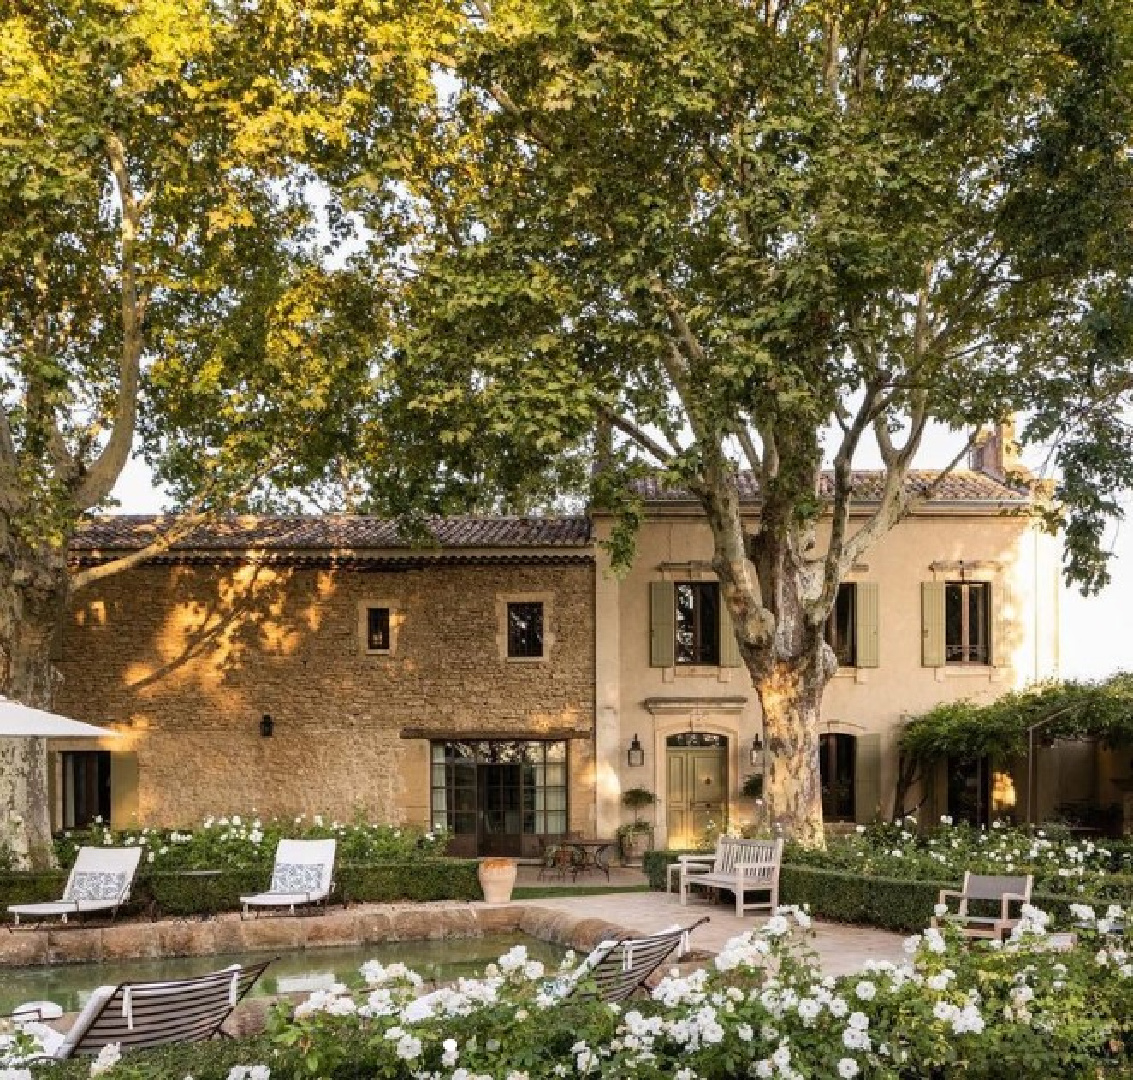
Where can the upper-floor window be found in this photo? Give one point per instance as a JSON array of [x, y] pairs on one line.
[[377, 629], [697, 606], [525, 628], [967, 622], [841, 626]]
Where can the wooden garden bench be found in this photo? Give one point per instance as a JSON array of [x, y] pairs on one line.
[[999, 889], [740, 867]]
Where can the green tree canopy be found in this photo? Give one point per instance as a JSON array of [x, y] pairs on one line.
[[752, 235], [999, 729], [163, 276]]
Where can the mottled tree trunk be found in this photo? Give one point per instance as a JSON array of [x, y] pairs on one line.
[[792, 706], [33, 591]]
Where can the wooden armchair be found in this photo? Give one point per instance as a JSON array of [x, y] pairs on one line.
[[989, 889]]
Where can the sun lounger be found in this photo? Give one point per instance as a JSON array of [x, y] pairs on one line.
[[617, 969], [302, 876], [144, 1014], [100, 881]]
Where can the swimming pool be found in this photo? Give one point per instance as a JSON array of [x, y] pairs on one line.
[[69, 985]]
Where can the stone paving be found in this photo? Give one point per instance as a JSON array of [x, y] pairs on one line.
[[841, 949]]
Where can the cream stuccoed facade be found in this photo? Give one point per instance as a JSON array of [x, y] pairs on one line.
[[910, 619]]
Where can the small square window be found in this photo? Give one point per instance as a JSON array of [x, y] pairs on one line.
[[525, 629], [377, 629]]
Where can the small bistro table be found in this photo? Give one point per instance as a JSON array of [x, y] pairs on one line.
[[591, 855]]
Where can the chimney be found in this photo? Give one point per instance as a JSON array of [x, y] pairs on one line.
[[996, 453]]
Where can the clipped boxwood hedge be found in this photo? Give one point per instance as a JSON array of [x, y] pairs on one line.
[[902, 904], [208, 1061], [159, 893]]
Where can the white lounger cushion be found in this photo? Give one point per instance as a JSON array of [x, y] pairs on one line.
[[275, 899]]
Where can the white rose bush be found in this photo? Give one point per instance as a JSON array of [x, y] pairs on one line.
[[1032, 1007], [1060, 862], [235, 841]]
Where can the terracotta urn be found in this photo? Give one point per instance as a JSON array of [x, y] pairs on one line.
[[497, 877]]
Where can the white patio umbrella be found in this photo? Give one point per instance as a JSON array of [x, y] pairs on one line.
[[21, 721]]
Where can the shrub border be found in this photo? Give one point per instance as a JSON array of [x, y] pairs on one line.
[[903, 904], [169, 892]]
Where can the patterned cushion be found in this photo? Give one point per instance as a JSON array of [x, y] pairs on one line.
[[90, 885], [297, 878]]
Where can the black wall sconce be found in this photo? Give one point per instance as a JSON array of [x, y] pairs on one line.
[[756, 752], [636, 753], [267, 726]]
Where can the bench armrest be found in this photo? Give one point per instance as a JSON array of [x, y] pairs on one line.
[[685, 860], [950, 892], [1007, 897]]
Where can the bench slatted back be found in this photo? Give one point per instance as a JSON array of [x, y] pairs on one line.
[[993, 886], [624, 967], [183, 1010], [731, 852]]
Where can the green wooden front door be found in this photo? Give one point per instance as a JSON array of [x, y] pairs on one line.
[[698, 792]]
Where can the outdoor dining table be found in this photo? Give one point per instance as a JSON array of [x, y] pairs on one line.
[[591, 855]]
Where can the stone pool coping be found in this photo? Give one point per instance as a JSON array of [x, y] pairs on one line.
[[364, 924]]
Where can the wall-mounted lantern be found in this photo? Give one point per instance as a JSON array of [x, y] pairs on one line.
[[267, 726], [757, 753], [636, 753]]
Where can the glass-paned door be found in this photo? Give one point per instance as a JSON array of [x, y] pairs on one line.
[[497, 796]]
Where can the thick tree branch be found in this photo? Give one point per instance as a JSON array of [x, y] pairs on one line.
[[843, 498], [104, 472], [7, 443], [663, 455]]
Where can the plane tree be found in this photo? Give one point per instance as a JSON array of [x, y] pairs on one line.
[[701, 239]]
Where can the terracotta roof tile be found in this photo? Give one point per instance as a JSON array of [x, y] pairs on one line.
[[960, 486], [125, 532]]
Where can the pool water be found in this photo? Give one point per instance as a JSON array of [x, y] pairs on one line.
[[69, 985]]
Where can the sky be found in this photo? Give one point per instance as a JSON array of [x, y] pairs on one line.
[[1095, 642]]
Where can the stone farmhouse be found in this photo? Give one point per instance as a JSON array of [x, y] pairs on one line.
[[505, 685]]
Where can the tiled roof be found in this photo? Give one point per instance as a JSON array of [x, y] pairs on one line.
[[959, 486], [125, 532]]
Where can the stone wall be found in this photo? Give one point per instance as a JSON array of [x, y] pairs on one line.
[[189, 658]]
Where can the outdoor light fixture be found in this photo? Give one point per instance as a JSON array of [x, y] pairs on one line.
[[756, 752], [267, 726], [636, 753]]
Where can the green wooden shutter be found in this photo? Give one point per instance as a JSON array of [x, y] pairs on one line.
[[662, 624], [729, 647], [123, 790], [867, 778], [867, 647], [932, 623]]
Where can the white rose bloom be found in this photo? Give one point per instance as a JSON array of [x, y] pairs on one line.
[[847, 1068], [866, 990], [108, 1057]]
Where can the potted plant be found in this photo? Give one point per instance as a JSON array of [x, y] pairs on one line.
[[497, 878], [636, 837]]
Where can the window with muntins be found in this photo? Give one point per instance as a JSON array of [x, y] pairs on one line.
[[841, 634], [967, 622], [377, 629], [837, 754], [697, 622], [525, 629]]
